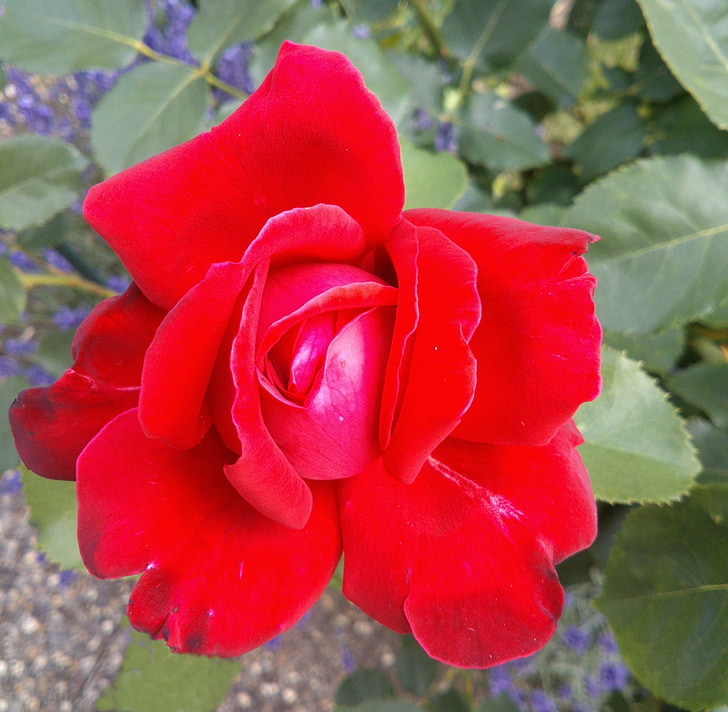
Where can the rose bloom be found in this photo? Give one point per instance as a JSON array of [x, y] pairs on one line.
[[299, 369]]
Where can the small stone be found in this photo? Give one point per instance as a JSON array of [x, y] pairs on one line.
[[289, 695], [388, 658], [363, 628], [244, 700], [269, 689], [30, 625], [107, 627]]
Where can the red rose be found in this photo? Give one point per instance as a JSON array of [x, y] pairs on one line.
[[300, 368]]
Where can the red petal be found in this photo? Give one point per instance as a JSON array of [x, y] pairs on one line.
[[180, 361], [262, 473], [440, 375], [464, 556], [537, 345], [218, 578], [52, 425], [312, 133]]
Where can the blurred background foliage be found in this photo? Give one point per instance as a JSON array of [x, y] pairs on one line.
[[606, 115]]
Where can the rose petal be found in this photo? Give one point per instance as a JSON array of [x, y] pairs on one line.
[[217, 577], [537, 345], [312, 133], [440, 375], [52, 425], [180, 361], [333, 432], [464, 556], [262, 474]]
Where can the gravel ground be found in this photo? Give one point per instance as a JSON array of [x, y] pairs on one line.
[[62, 643]]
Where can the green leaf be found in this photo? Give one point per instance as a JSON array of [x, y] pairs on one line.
[[636, 448], [653, 79], [64, 36], [364, 685], [556, 64], [718, 318], [666, 597], [554, 183], [152, 679], [682, 127], [492, 33], [9, 390], [449, 701], [692, 37], [292, 26], [40, 176], [614, 138], [152, 108], [53, 512], [13, 295], [222, 23], [704, 385], [416, 670], [543, 214], [388, 705], [616, 18], [54, 352], [496, 134], [502, 703], [372, 11], [661, 260], [432, 180], [658, 351], [712, 446]]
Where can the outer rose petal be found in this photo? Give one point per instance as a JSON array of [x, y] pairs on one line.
[[52, 425], [537, 345], [312, 133], [218, 578], [434, 376], [464, 556]]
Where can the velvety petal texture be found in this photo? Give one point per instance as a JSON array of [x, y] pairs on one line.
[[537, 344], [312, 133], [217, 577], [464, 556], [300, 369], [52, 425]]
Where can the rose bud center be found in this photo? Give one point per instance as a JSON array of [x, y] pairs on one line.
[[324, 337]]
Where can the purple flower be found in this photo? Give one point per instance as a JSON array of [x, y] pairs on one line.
[[423, 121], [361, 32], [614, 676], [66, 318], [57, 260], [65, 578], [11, 483], [540, 702], [446, 141], [9, 367], [577, 639], [20, 346], [232, 68], [23, 262], [607, 642], [118, 284], [499, 680], [38, 376]]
